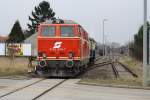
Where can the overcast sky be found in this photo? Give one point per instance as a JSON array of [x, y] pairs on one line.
[[124, 16]]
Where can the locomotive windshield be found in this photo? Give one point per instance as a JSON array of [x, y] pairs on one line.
[[67, 31], [48, 31]]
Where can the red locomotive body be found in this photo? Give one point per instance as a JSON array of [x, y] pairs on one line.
[[63, 49]]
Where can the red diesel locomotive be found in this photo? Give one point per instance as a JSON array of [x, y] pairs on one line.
[[63, 49]]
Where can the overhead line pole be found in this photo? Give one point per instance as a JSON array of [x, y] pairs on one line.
[[145, 48], [103, 39], [104, 36]]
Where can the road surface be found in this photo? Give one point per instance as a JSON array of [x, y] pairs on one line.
[[67, 90]]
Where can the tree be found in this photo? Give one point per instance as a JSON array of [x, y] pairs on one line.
[[40, 14], [136, 48], [16, 35]]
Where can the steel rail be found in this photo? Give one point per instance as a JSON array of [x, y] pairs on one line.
[[115, 70], [127, 69], [18, 89], [46, 91], [98, 65]]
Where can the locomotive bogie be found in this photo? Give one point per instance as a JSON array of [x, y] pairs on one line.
[[61, 68]]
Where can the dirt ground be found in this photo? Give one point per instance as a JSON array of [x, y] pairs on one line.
[[13, 67]]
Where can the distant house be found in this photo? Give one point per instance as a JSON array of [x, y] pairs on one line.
[[33, 41], [3, 39]]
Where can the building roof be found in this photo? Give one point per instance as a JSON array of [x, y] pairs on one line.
[[3, 39]]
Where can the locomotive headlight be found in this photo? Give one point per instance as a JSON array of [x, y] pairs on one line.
[[69, 63], [42, 63], [71, 55]]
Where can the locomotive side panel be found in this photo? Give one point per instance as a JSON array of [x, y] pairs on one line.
[[85, 48]]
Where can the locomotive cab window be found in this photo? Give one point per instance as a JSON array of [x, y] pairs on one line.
[[48, 31], [67, 31]]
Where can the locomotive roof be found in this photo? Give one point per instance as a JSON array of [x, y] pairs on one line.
[[69, 22], [64, 22]]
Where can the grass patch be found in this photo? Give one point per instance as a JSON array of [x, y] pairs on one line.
[[119, 81], [12, 71], [17, 67]]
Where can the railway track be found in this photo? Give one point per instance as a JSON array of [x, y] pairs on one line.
[[49, 89], [127, 69], [12, 95], [115, 70], [99, 65], [21, 88], [114, 64]]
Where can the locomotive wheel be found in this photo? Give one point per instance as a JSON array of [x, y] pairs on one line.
[[77, 69], [83, 68], [39, 71]]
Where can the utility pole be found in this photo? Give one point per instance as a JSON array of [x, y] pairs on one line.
[[145, 49], [104, 36], [106, 44]]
